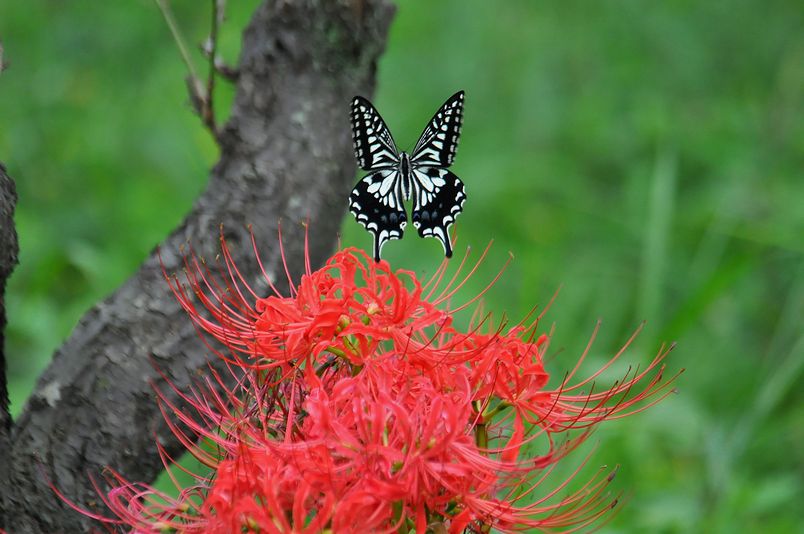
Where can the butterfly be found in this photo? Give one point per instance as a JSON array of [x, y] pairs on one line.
[[438, 195]]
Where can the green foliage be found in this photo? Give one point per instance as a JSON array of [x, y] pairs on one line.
[[644, 157]]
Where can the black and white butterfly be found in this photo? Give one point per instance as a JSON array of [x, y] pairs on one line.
[[438, 195]]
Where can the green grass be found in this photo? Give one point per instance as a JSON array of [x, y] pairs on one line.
[[646, 158]]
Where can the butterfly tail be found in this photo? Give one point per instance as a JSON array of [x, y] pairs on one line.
[[377, 247], [447, 245]]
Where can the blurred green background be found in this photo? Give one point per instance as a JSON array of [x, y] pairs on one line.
[[646, 157]]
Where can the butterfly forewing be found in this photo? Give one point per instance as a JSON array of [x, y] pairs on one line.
[[376, 203], [374, 146], [439, 140], [438, 198]]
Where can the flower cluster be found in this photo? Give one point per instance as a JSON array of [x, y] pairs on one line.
[[355, 404]]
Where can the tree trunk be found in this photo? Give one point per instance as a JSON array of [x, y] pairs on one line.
[[285, 155], [8, 259]]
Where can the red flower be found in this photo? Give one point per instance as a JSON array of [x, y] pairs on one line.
[[358, 406]]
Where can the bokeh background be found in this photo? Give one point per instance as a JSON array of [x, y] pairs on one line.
[[645, 157]]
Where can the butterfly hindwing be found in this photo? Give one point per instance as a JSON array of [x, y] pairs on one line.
[[438, 198], [374, 146], [376, 203], [439, 140]]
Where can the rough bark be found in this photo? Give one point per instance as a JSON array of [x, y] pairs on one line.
[[285, 154], [8, 260]]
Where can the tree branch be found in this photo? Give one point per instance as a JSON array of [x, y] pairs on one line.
[[210, 48], [285, 154], [198, 97]]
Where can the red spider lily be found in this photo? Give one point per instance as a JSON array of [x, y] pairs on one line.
[[356, 405]]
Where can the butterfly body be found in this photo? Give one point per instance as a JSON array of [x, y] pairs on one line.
[[377, 201], [404, 170]]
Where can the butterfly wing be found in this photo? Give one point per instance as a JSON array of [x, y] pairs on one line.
[[376, 200], [439, 140], [376, 203], [438, 197], [374, 147]]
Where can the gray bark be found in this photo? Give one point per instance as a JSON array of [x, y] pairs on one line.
[[8, 260], [285, 155]]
